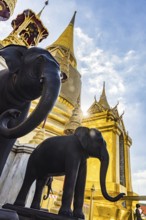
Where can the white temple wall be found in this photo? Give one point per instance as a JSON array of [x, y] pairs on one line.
[[2, 63], [13, 175]]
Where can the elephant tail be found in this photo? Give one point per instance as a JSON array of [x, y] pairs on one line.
[[49, 188]]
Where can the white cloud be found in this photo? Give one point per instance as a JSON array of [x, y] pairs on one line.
[[80, 34], [5, 29], [131, 55], [139, 182], [120, 72]]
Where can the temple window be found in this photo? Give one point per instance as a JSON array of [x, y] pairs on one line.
[[122, 160]]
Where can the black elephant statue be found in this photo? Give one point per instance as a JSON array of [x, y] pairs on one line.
[[31, 73], [66, 155]]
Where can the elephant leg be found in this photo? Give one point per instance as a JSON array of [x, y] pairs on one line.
[[79, 191], [68, 190], [22, 196], [40, 183]]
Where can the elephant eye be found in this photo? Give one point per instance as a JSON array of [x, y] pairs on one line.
[[14, 78]]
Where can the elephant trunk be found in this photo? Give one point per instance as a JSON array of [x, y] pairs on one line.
[[103, 172], [50, 91]]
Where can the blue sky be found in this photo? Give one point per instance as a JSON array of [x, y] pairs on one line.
[[110, 46]]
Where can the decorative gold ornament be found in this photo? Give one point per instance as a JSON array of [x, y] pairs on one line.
[[75, 119]]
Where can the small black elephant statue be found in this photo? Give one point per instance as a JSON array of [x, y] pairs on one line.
[[66, 155], [31, 73]]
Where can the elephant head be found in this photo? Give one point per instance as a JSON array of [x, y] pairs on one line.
[[32, 73], [95, 146]]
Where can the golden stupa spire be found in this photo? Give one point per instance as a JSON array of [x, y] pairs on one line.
[[103, 100], [65, 40]]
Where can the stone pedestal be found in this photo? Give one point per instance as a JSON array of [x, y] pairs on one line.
[[33, 214], [6, 214], [13, 174]]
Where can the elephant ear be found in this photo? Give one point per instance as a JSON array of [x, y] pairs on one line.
[[83, 135], [13, 55]]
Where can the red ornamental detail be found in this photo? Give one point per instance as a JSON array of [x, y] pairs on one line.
[[32, 31]]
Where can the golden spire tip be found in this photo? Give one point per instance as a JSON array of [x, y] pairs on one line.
[[104, 84], [73, 18]]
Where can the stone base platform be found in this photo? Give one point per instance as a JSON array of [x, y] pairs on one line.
[[34, 214], [6, 214]]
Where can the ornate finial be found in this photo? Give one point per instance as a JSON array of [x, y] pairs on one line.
[[120, 117], [95, 98], [75, 119], [103, 91], [115, 108], [103, 100], [46, 3]]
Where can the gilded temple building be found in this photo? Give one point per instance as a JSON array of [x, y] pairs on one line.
[[65, 117], [110, 123]]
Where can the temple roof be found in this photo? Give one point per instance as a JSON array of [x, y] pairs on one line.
[[101, 105], [65, 40], [103, 100], [95, 107]]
